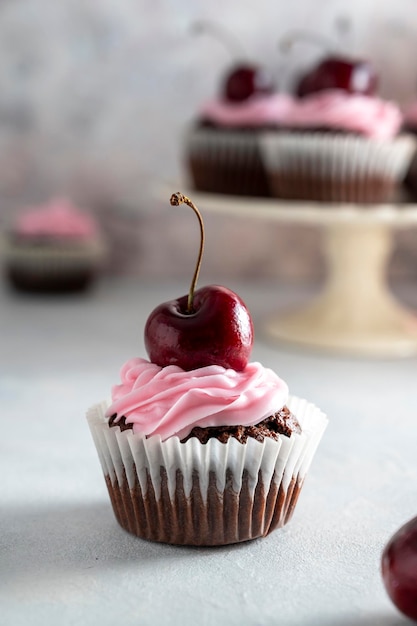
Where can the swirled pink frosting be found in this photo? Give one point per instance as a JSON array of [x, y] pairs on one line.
[[59, 218], [336, 109], [254, 112], [333, 109], [170, 401]]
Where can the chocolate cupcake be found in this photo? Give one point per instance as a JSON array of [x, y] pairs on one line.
[[338, 147], [222, 149], [198, 445], [198, 477], [54, 248]]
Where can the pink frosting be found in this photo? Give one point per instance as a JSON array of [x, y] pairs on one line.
[[170, 401], [410, 114], [254, 112], [333, 109], [59, 218], [337, 109]]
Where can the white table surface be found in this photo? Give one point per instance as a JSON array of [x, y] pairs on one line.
[[63, 558]]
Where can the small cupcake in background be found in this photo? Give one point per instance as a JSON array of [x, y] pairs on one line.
[[337, 146], [340, 141], [222, 152], [54, 247]]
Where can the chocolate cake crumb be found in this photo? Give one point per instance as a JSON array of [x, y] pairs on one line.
[[121, 422], [283, 422]]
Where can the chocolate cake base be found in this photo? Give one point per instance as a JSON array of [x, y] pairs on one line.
[[224, 518], [33, 282]]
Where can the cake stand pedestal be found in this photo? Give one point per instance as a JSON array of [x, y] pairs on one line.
[[355, 313]]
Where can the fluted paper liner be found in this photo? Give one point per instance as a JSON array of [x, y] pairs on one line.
[[226, 161], [52, 267], [51, 259], [335, 167], [205, 494]]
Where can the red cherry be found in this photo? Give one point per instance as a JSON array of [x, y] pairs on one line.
[[335, 70], [353, 76], [399, 569], [245, 81], [218, 331], [211, 326]]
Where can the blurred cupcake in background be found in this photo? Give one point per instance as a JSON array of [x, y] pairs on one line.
[[337, 146], [53, 248], [223, 148], [222, 151], [340, 141]]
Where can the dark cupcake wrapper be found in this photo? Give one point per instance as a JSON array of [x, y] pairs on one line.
[[334, 167], [226, 162]]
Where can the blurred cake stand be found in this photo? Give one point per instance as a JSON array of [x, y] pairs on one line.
[[355, 313]]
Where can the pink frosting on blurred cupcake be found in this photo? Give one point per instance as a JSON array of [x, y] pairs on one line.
[[57, 219], [332, 109], [337, 109], [255, 112]]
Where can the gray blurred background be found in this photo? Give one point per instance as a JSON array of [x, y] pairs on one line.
[[95, 96]]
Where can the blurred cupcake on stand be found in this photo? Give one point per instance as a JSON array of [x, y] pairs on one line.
[[340, 141], [222, 150], [53, 248]]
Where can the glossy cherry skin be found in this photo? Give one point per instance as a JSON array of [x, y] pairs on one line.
[[219, 331], [353, 76], [399, 569], [245, 81]]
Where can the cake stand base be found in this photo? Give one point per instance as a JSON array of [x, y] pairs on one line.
[[394, 334], [356, 314]]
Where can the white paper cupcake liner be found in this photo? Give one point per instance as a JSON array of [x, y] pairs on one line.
[[226, 161], [58, 258], [51, 267], [205, 494], [356, 167]]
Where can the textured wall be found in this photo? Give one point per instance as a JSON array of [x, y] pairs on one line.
[[95, 96]]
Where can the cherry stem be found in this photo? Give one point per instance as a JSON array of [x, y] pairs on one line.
[[177, 199], [287, 42], [231, 43]]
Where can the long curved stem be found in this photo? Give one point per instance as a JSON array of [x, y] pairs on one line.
[[287, 42], [177, 199], [230, 42]]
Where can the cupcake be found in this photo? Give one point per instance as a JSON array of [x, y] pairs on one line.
[[52, 248], [199, 445], [222, 150], [336, 146], [222, 153]]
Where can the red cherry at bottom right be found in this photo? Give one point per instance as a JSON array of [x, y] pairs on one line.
[[399, 569]]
